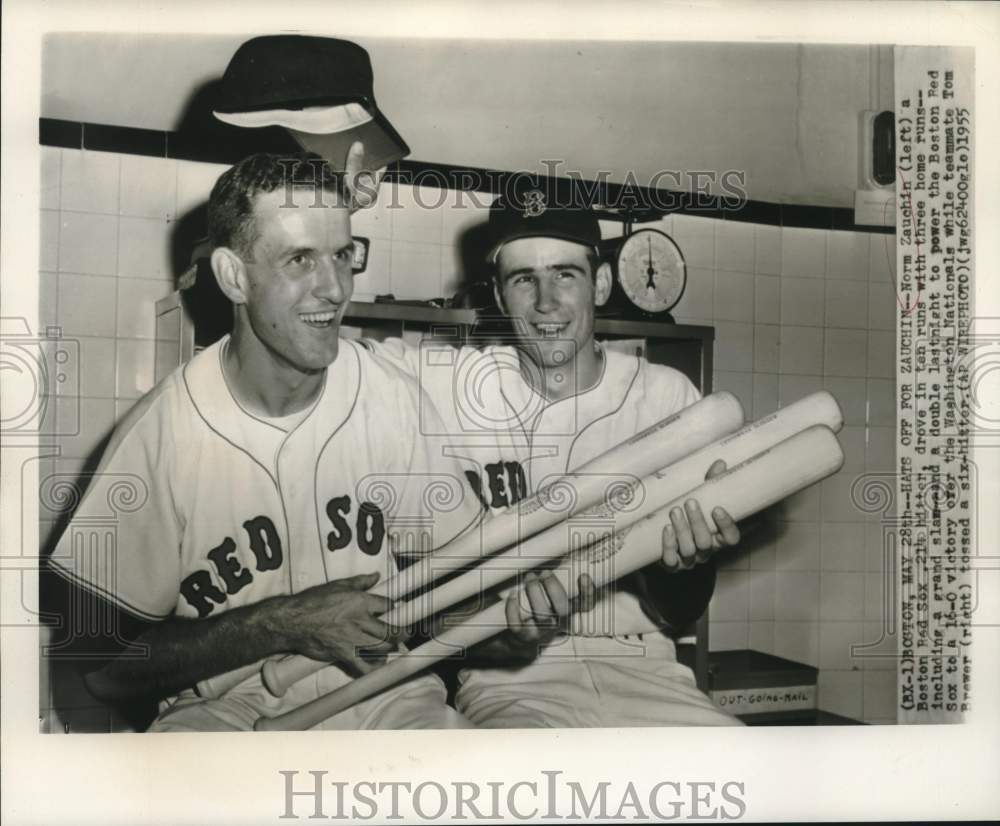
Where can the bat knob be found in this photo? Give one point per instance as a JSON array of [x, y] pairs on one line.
[[266, 724], [271, 677]]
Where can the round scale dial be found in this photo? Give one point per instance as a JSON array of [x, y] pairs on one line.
[[651, 271]]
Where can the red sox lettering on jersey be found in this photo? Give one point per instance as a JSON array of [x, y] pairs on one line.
[[505, 484], [264, 543]]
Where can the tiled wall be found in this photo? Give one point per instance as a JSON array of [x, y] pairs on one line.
[[105, 259], [795, 310], [415, 232]]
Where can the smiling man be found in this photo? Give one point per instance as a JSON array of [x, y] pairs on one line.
[[271, 481], [551, 284], [525, 414]]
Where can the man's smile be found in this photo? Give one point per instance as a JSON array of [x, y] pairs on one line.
[[319, 320], [550, 329]]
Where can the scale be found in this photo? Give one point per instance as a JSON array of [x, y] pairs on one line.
[[649, 274]]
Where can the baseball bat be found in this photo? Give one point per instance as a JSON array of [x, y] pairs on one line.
[[759, 482], [214, 687], [657, 446], [662, 485]]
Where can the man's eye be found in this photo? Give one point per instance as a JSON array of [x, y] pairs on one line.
[[345, 254], [300, 260], [567, 274]]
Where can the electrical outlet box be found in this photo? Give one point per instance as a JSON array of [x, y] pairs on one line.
[[874, 198], [876, 150]]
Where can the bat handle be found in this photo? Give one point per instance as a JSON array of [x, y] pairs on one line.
[[214, 687], [447, 644], [281, 674]]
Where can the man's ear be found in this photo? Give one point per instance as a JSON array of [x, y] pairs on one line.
[[602, 284], [498, 295], [230, 274]]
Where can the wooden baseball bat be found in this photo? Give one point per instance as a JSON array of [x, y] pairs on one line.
[[214, 687], [663, 485], [751, 486], [657, 446]]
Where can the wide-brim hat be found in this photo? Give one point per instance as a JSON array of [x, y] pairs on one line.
[[319, 88]]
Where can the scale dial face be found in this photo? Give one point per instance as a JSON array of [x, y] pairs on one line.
[[651, 271]]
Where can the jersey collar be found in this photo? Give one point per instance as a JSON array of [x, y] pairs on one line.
[[206, 385]]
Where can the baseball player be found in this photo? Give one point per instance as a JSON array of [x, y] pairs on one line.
[[532, 412], [264, 486]]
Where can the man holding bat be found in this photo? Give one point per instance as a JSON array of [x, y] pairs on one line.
[[526, 414], [263, 487]]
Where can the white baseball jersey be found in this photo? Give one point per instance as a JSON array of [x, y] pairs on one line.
[[210, 507], [518, 441]]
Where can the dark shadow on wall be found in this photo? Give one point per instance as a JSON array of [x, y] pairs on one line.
[[203, 137], [475, 290]]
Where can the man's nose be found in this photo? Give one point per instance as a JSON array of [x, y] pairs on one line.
[[546, 299], [333, 282]]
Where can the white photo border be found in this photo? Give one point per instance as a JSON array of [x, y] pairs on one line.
[[825, 773]]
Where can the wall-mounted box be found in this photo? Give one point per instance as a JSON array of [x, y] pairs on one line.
[[874, 199], [749, 683]]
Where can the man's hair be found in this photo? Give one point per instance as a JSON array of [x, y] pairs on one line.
[[231, 204]]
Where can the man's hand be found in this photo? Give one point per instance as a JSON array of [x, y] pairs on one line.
[[549, 605], [687, 539], [362, 184], [338, 622]]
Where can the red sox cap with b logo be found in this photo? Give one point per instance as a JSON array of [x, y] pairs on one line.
[[531, 214]]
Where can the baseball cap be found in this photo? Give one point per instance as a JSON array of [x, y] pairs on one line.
[[531, 214], [319, 88]]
